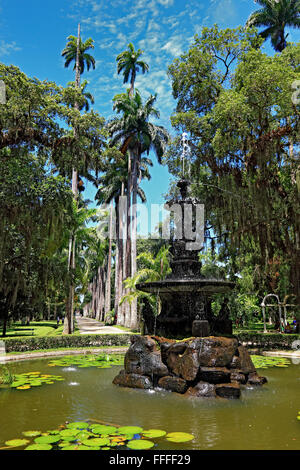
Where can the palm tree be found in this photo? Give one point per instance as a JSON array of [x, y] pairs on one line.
[[112, 187], [76, 45], [275, 16], [137, 135], [128, 62], [75, 51], [85, 99]]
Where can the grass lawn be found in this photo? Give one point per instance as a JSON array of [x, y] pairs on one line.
[[36, 328]]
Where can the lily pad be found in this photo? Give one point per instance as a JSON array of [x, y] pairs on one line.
[[39, 447], [103, 429], [16, 442], [96, 442], [47, 439], [78, 425], [130, 430], [140, 444], [179, 437], [154, 433], [31, 433]]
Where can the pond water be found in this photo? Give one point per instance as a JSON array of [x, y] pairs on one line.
[[264, 418]]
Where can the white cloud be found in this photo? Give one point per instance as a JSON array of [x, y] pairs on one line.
[[7, 47]]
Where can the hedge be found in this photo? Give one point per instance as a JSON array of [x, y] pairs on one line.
[[268, 341], [265, 341], [54, 342]]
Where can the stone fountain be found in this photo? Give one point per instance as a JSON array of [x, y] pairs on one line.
[[203, 365]]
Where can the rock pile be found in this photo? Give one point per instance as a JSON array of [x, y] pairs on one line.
[[200, 367]]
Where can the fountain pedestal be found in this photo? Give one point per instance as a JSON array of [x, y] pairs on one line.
[[200, 328]]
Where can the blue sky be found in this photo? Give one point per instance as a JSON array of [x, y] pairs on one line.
[[33, 34]]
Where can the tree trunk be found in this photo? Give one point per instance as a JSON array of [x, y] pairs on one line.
[[133, 318], [70, 303], [108, 276], [127, 271]]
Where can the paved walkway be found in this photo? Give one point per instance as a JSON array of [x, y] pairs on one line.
[[89, 326]]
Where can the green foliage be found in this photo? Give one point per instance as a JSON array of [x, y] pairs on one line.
[[6, 377], [152, 268], [235, 103], [52, 342]]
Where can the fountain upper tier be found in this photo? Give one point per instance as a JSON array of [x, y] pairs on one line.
[[185, 295]]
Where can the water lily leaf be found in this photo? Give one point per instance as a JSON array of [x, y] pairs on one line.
[[69, 432], [31, 433], [130, 430], [39, 447], [103, 429], [140, 444], [47, 439], [72, 447], [16, 442], [96, 442], [179, 437], [78, 425], [154, 433]]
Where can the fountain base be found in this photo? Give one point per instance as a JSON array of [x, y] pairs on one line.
[[201, 367]]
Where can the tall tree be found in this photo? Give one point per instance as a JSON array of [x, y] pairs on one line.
[[111, 188], [239, 131], [129, 63], [137, 135], [276, 16], [76, 51]]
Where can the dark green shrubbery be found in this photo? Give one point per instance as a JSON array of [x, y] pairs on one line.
[[54, 342]]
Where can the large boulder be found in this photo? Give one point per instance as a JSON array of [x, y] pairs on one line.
[[132, 380], [245, 361], [202, 389], [255, 379], [231, 390], [174, 384], [214, 351], [142, 358], [214, 375]]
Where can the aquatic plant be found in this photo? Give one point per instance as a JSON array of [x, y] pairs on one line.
[[82, 435], [33, 379], [264, 362], [102, 361], [6, 376]]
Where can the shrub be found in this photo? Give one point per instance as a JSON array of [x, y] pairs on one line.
[[54, 342]]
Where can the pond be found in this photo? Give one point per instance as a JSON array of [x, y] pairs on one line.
[[264, 418]]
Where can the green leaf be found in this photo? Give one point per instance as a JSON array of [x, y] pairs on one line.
[[140, 444], [179, 437]]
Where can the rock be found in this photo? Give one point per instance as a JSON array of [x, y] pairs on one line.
[[246, 364], [214, 375], [237, 376], [231, 390], [178, 348], [235, 363], [202, 389], [132, 380], [187, 365], [255, 379], [174, 384], [214, 351], [142, 358]]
